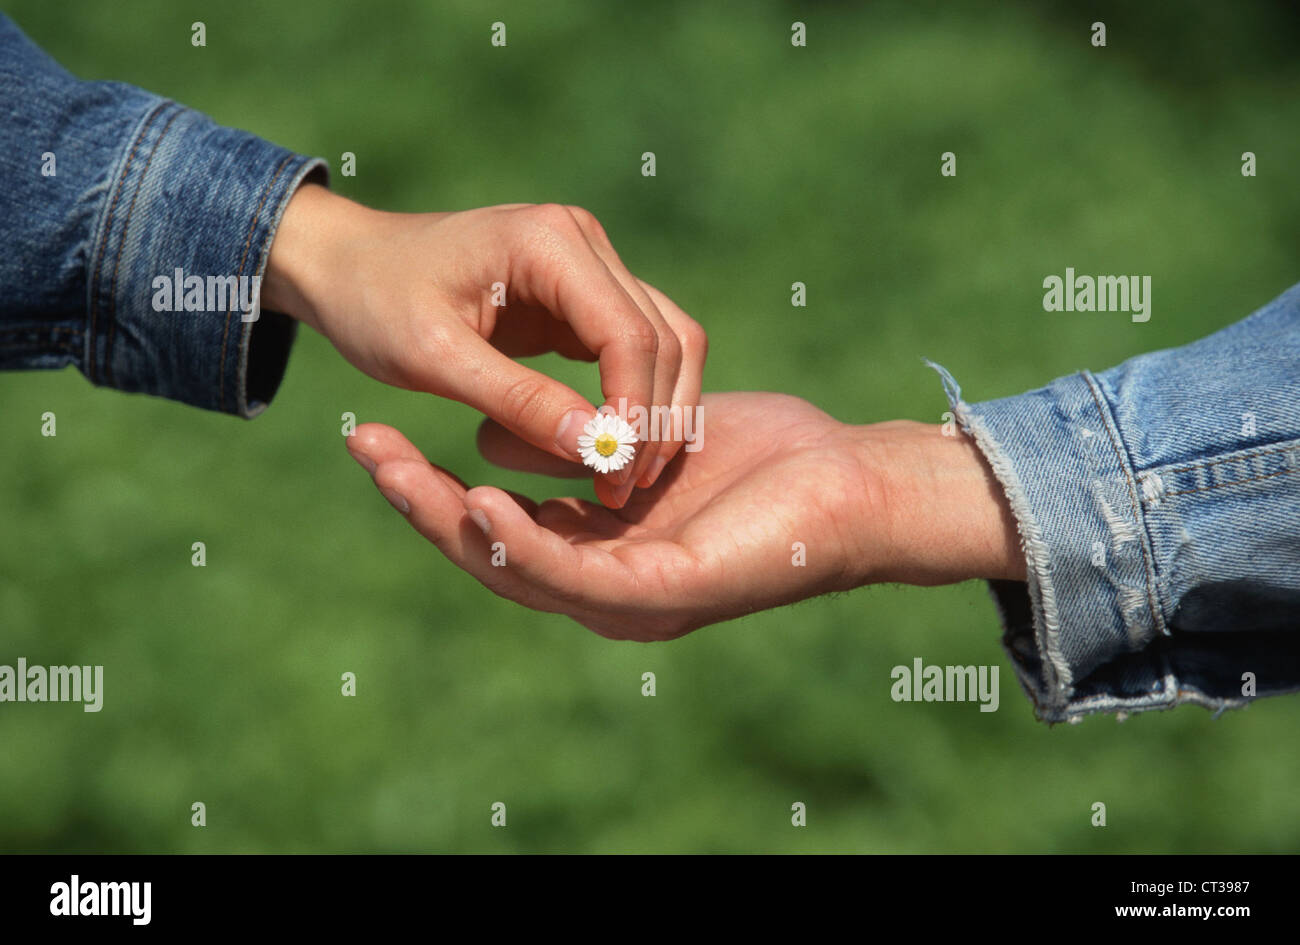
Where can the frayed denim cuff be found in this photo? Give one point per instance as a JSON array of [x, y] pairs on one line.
[[1158, 504], [1077, 629]]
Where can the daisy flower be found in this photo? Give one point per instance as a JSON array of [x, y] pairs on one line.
[[607, 443]]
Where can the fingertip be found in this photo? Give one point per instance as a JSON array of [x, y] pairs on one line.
[[368, 429], [363, 444], [479, 518], [381, 443], [402, 478], [492, 504], [623, 493], [570, 428], [652, 472], [363, 459], [607, 493]]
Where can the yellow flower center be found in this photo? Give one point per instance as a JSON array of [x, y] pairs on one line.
[[606, 445]]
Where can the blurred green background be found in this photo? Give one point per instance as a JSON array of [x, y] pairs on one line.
[[775, 164]]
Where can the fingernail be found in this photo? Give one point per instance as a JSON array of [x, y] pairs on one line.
[[656, 467], [366, 462], [397, 501], [622, 493], [624, 474], [566, 436], [481, 520]]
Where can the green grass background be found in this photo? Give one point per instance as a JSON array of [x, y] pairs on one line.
[[775, 164]]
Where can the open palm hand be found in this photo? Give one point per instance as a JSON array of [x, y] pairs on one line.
[[754, 519]]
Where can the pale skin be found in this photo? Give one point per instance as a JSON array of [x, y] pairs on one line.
[[714, 538], [411, 300]]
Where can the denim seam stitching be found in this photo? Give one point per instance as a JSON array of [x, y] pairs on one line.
[[252, 228], [1269, 451], [1237, 482], [1163, 701], [1157, 614], [108, 235], [64, 340], [121, 248], [246, 332]]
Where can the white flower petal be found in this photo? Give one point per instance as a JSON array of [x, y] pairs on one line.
[[612, 425]]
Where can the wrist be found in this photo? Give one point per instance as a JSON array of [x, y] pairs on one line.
[[940, 511], [306, 252]]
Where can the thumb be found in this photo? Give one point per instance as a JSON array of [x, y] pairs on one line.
[[536, 408]]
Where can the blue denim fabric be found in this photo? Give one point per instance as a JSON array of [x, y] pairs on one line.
[[143, 187], [1159, 511]]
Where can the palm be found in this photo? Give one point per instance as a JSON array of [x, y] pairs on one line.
[[714, 538], [716, 535], [754, 453]]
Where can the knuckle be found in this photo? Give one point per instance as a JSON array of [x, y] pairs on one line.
[[435, 347], [584, 216], [641, 337], [554, 217], [588, 223], [547, 239], [694, 338], [521, 403], [437, 341], [670, 349]]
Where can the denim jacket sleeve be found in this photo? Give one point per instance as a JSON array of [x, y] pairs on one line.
[[1158, 505], [115, 206]]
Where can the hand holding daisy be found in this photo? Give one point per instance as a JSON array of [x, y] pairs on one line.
[[446, 302]]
